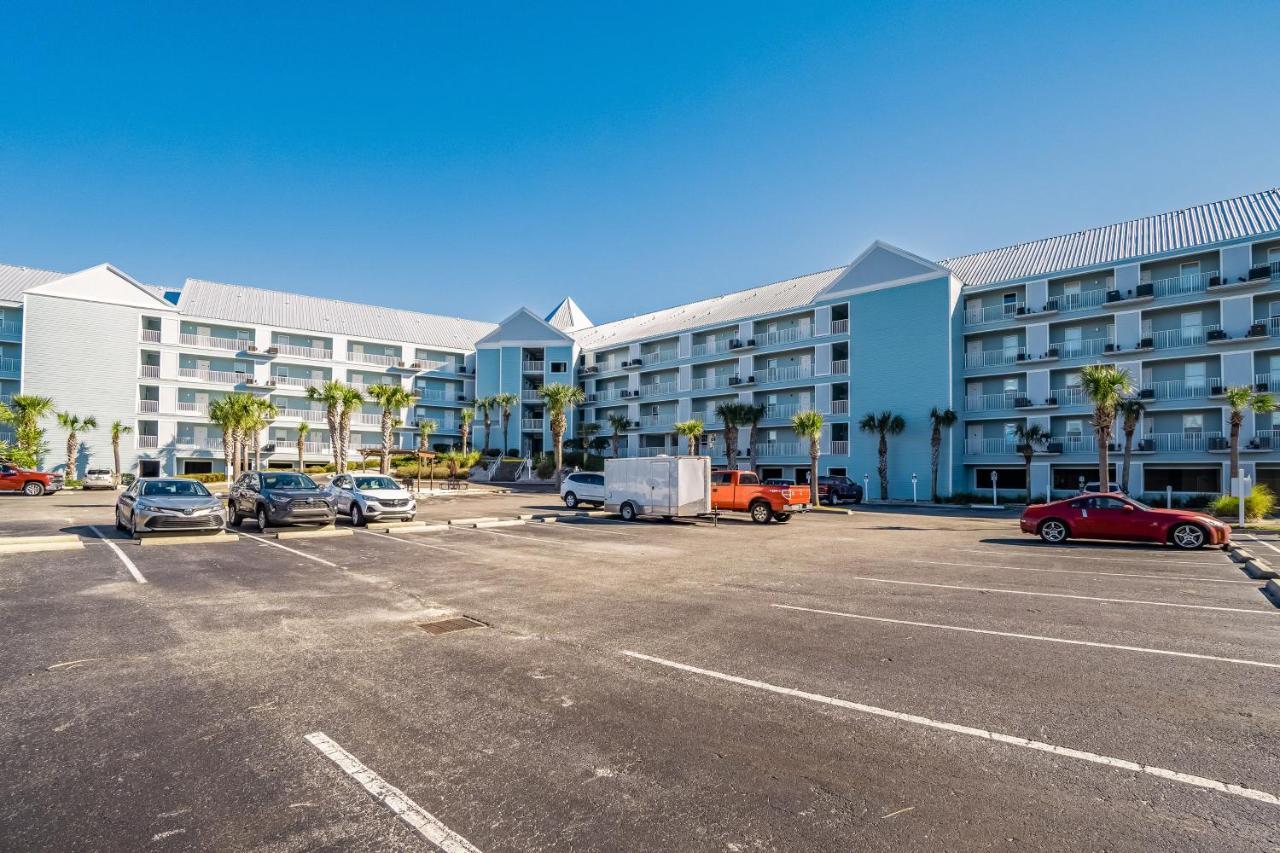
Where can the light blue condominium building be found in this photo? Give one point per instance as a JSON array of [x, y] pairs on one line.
[[1188, 303]]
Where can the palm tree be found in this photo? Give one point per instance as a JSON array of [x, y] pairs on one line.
[[620, 423], [303, 429], [1130, 410], [260, 415], [752, 414], [426, 426], [392, 398], [333, 395], [74, 424], [223, 412], [485, 405], [588, 431], [1240, 398], [118, 428], [457, 460], [505, 402], [1106, 386], [939, 419], [884, 425], [692, 430], [732, 415], [1030, 437], [25, 412], [560, 400], [809, 425], [465, 417], [351, 400]]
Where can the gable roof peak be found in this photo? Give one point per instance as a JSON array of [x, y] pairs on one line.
[[568, 316]]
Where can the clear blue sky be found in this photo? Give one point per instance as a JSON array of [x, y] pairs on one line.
[[471, 158]]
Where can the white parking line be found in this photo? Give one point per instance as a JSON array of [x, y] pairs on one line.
[[409, 541], [320, 560], [1264, 542], [1255, 612], [1079, 572], [1012, 740], [421, 820], [128, 564], [1108, 556], [587, 527], [1029, 636], [507, 535]]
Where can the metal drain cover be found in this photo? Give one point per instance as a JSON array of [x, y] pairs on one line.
[[445, 626]]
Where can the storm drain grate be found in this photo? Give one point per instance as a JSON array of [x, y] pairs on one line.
[[446, 626]]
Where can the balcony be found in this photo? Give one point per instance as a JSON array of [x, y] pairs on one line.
[[652, 451], [1265, 381], [1084, 348], [1183, 285], [838, 448], [374, 358], [995, 357], [784, 411], [1183, 442], [658, 389], [657, 421], [781, 448], [309, 446], [989, 446], [315, 353], [1075, 443], [608, 364], [840, 367], [785, 374], [1189, 336], [313, 416], [839, 407], [151, 336], [706, 383], [149, 371], [148, 406], [532, 424], [531, 395], [199, 442], [1082, 301], [430, 394], [993, 313], [839, 327], [1070, 396], [712, 347], [225, 377], [1179, 389], [533, 366], [661, 356], [297, 381], [990, 402], [367, 418], [215, 342], [784, 336], [148, 442], [611, 394]]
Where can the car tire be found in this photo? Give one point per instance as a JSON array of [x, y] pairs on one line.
[[132, 530], [33, 489], [627, 511], [233, 515], [761, 513], [1053, 531], [782, 517], [357, 517], [1188, 536], [262, 517], [119, 524], [570, 500]]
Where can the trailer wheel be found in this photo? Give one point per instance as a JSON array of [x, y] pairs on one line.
[[627, 511]]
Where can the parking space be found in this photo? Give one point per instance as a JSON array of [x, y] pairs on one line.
[[881, 680]]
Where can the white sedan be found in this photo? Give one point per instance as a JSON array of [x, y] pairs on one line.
[[582, 487]]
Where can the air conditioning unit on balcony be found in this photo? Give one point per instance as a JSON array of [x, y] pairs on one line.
[[591, 398], [1259, 272], [734, 380], [735, 344]]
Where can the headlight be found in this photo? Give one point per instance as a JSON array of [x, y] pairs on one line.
[[279, 501]]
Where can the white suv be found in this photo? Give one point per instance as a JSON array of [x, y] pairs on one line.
[[372, 497], [582, 487]]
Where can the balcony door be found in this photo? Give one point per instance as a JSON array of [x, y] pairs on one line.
[[1075, 434], [1010, 303], [1195, 378], [1010, 389], [1071, 342], [1189, 269], [1010, 348], [1191, 327]]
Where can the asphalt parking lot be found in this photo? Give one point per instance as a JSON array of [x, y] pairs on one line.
[[878, 681]]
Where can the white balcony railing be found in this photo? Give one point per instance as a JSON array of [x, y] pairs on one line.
[[312, 416], [988, 446], [1072, 395], [840, 367], [297, 381], [839, 327], [193, 407], [147, 442], [148, 335], [1181, 285], [304, 352], [373, 358], [656, 389], [1076, 443], [990, 402], [993, 357], [149, 371], [703, 383], [532, 423], [148, 406], [199, 442], [711, 347], [839, 407], [1180, 442], [530, 396], [1079, 301], [367, 418], [785, 374], [1084, 348], [656, 421], [609, 394], [606, 364], [838, 448], [781, 448], [1264, 381], [214, 342], [652, 451], [429, 393], [782, 411], [1188, 336], [660, 356], [992, 314], [1180, 389], [227, 377], [533, 366], [784, 336]]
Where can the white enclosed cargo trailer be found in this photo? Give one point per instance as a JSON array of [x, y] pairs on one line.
[[669, 486]]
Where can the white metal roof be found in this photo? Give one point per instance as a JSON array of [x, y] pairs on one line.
[[1239, 218], [14, 281], [766, 299], [239, 304], [568, 316]]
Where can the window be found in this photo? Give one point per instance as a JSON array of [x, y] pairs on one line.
[[1071, 289], [836, 472], [1010, 302], [1106, 503], [746, 478], [1074, 479], [1006, 478], [1273, 255], [559, 367], [1189, 268], [720, 478], [1194, 376], [1075, 428], [1192, 424], [1190, 321], [1182, 479]]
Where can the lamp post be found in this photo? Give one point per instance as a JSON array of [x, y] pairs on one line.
[[994, 491], [866, 487], [914, 480]]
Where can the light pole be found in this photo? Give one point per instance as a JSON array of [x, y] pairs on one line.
[[914, 480], [866, 487], [994, 477]]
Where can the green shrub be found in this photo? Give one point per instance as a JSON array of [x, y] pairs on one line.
[[215, 477], [126, 480], [965, 498], [544, 466], [317, 469], [1259, 504]]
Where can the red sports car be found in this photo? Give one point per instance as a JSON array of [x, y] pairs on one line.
[[1118, 516]]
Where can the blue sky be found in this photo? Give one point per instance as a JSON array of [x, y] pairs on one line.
[[470, 158]]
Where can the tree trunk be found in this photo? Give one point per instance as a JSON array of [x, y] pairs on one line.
[[257, 450], [1236, 419], [487, 424], [731, 445], [302, 448], [1027, 457], [615, 440], [557, 438], [384, 465], [335, 435], [115, 453], [72, 447], [814, 451], [1104, 467], [935, 452], [1128, 456], [465, 429], [751, 439], [227, 461], [883, 468], [506, 430], [344, 437]]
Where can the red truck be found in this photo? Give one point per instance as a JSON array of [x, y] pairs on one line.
[[33, 483], [742, 491]]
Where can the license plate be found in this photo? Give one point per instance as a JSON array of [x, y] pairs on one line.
[[796, 507]]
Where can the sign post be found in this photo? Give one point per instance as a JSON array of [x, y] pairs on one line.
[[866, 487], [914, 480], [1241, 493]]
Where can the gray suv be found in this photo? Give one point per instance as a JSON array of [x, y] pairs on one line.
[[279, 497]]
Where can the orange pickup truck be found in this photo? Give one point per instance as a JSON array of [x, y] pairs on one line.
[[742, 491]]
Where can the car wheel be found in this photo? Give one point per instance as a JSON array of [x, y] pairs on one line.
[[761, 513], [570, 500], [1188, 536], [782, 517], [33, 490], [357, 517], [133, 526], [234, 514], [262, 517], [1053, 531], [627, 511], [119, 524]]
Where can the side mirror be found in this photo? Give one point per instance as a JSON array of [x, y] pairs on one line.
[[1128, 507]]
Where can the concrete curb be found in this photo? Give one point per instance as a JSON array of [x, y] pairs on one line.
[[33, 540], [314, 534], [186, 539], [509, 522], [1272, 590], [415, 527], [1257, 568], [472, 522], [73, 544], [1240, 554]]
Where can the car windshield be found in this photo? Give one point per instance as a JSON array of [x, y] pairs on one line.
[[174, 489], [375, 483], [287, 481]]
